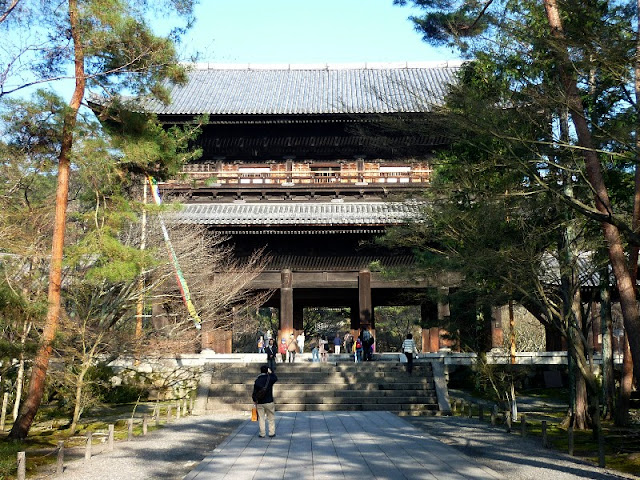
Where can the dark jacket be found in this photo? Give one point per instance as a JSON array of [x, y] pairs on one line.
[[271, 351], [261, 382]]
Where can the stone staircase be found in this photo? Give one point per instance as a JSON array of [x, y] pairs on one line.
[[307, 386]]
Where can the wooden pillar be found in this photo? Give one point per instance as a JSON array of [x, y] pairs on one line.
[[220, 340], [425, 340], [497, 334], [289, 169], [428, 319], [286, 304], [434, 339], [444, 313], [360, 168], [364, 299]]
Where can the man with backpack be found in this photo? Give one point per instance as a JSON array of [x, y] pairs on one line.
[[263, 398], [367, 345]]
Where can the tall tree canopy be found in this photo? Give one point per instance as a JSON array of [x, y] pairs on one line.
[[103, 45], [570, 72]]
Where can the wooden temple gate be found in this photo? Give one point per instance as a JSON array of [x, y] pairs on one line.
[[311, 165]]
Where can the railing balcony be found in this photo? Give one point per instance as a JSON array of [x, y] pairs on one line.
[[204, 175]]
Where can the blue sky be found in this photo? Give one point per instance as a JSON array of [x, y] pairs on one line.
[[306, 31]]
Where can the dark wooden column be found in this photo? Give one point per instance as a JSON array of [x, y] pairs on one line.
[[364, 299], [434, 339], [444, 312], [360, 168], [428, 319], [497, 333], [286, 304], [289, 170]]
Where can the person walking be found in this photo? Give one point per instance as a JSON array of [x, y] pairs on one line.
[[282, 349], [337, 343], [409, 348], [324, 348], [272, 352], [315, 352], [300, 339], [367, 345], [292, 347], [348, 343], [263, 399]]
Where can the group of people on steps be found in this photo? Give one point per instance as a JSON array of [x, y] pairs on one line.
[[262, 394], [361, 347]]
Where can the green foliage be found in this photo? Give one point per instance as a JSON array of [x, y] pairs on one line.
[[102, 388], [393, 324], [8, 455], [325, 321]]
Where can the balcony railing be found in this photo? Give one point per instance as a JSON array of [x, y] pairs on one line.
[[205, 175]]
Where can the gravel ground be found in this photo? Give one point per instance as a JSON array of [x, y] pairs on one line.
[[510, 455], [168, 453], [171, 452]]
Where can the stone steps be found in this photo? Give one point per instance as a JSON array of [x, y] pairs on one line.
[[307, 386]]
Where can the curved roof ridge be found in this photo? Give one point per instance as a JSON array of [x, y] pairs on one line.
[[327, 66]]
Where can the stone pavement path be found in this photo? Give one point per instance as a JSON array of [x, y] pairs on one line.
[[338, 445]]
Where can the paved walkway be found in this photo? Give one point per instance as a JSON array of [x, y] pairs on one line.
[[344, 445]]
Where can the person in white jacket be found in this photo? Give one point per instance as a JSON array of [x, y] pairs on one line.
[[409, 348]]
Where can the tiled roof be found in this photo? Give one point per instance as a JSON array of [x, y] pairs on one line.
[[256, 90], [298, 214]]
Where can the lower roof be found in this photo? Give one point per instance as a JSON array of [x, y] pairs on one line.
[[299, 214]]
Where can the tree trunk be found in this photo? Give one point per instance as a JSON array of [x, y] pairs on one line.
[[611, 233], [26, 328], [584, 372], [77, 408], [581, 409], [608, 380], [626, 385], [19, 382], [31, 404]]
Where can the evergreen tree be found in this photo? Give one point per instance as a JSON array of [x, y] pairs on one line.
[[109, 46]]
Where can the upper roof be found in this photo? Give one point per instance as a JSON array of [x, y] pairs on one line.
[[308, 89]]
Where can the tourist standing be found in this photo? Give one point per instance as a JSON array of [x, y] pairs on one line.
[[337, 343], [324, 348], [282, 349], [292, 347], [315, 352], [261, 344], [272, 352], [367, 344], [263, 398], [357, 349], [409, 348], [348, 343], [300, 339]]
